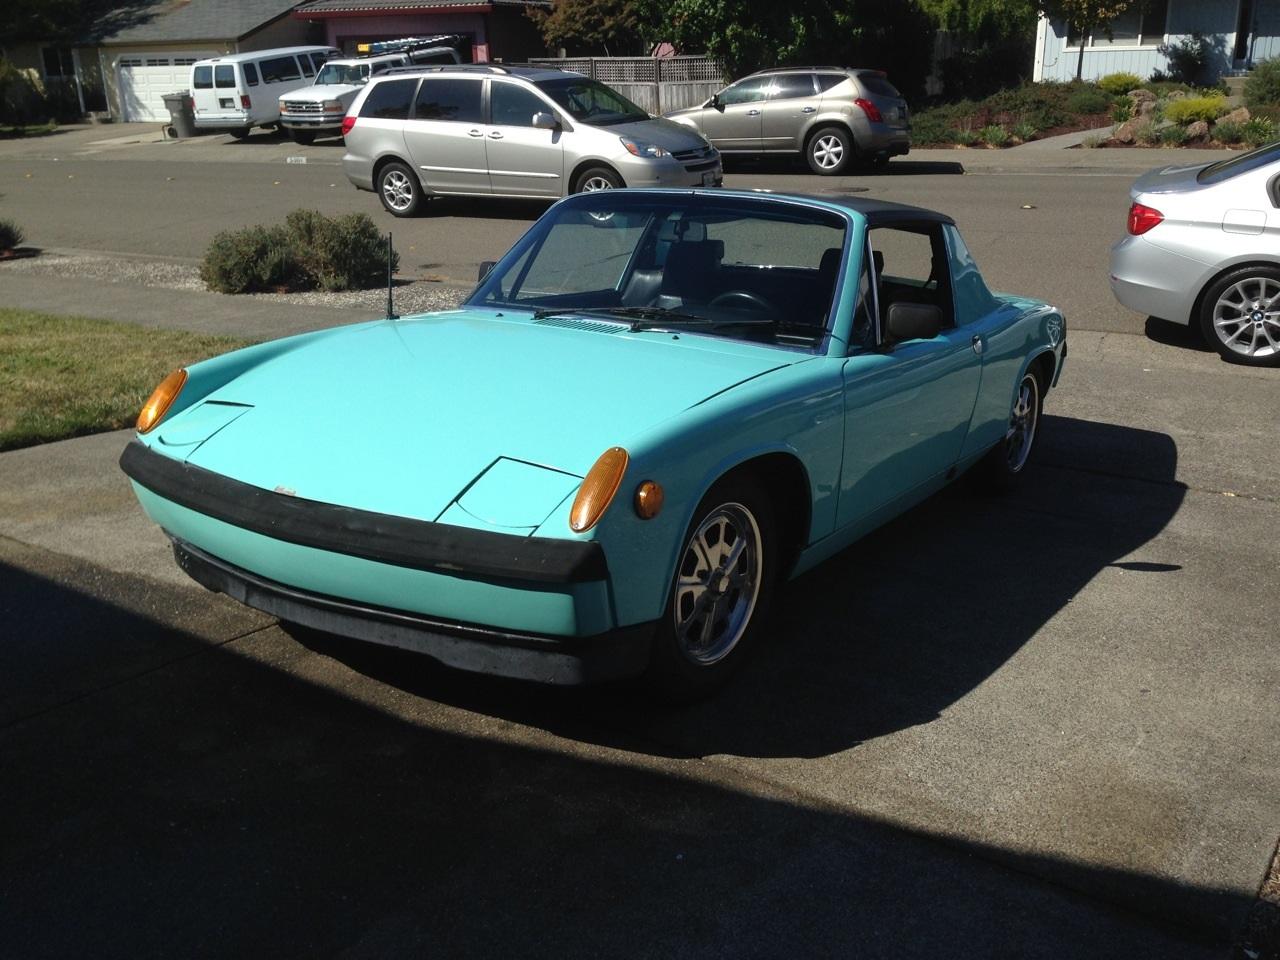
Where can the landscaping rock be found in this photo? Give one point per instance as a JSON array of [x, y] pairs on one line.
[[1238, 115], [1143, 109], [1141, 94], [1128, 132], [1176, 95], [1199, 130]]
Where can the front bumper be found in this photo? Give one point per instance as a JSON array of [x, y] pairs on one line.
[[562, 661], [311, 122], [537, 608], [669, 172]]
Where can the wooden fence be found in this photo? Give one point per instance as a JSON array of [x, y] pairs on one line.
[[658, 84]]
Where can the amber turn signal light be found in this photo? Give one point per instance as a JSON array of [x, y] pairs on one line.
[[161, 399], [598, 489], [648, 499]]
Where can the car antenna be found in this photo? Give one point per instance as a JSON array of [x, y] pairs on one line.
[[391, 310]]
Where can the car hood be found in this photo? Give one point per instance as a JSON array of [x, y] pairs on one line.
[[401, 417], [324, 91], [660, 131], [1171, 179]]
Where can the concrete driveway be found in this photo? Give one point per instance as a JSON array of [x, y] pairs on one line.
[[1038, 726]]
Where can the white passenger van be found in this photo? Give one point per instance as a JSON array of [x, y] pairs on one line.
[[242, 90]]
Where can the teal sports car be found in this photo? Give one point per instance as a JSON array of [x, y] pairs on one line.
[[657, 406]]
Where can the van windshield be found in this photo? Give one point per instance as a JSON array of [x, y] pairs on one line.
[[591, 101], [356, 73]]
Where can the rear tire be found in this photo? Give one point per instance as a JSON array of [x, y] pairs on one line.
[[830, 151], [1000, 470], [399, 190], [1240, 316], [720, 593], [240, 133], [597, 178], [304, 137]]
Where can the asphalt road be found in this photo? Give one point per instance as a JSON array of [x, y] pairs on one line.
[[1035, 726], [134, 199]]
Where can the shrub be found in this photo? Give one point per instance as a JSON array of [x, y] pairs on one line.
[[1263, 86], [966, 137], [1195, 108], [1257, 131], [1147, 134], [995, 135], [11, 235], [1187, 59], [929, 127], [1024, 130], [1088, 98], [309, 251], [1120, 83], [1122, 111], [1174, 136], [1092, 141], [1228, 132]]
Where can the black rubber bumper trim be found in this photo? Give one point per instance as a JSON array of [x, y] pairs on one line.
[[403, 542], [568, 661]]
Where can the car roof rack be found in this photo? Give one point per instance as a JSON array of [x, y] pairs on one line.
[[802, 67], [438, 67]]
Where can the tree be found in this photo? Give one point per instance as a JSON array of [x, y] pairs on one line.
[[747, 35], [611, 27], [1083, 16], [991, 44]]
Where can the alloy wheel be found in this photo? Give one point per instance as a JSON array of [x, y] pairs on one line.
[[397, 190], [718, 584], [1021, 435], [1246, 317], [828, 151]]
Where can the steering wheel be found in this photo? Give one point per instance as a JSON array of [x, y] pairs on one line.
[[749, 298]]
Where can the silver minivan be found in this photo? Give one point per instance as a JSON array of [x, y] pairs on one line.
[[487, 130], [834, 116]]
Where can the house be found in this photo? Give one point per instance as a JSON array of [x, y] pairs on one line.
[[497, 29], [138, 53], [1240, 33]]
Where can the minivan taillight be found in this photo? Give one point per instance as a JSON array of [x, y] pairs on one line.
[[870, 109], [347, 124], [245, 102], [1142, 219]]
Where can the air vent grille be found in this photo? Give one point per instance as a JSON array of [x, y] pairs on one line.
[[589, 326]]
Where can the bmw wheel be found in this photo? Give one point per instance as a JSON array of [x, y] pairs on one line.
[[830, 151], [720, 592], [1240, 316], [399, 190]]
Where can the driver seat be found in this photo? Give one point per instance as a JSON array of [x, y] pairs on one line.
[[689, 274]]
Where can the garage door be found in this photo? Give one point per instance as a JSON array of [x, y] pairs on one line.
[[144, 80]]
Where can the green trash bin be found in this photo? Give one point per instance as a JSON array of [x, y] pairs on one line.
[[181, 119]]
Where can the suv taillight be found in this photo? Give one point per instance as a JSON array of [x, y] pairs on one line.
[[1142, 219], [347, 124], [870, 109], [245, 102]]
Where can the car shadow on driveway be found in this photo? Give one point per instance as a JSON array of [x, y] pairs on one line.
[[1171, 334], [888, 634], [792, 165], [261, 798]]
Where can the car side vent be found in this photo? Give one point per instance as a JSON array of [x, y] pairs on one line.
[[590, 326]]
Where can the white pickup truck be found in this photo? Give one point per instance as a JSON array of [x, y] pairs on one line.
[[317, 110]]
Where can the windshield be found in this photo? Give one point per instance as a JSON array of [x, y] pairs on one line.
[[356, 73], [747, 269], [591, 101]]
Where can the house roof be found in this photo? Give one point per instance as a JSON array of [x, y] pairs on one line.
[[171, 21], [329, 8]]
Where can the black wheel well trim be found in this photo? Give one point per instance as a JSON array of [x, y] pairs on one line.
[[1047, 362], [786, 481], [585, 165], [1193, 319], [821, 125]]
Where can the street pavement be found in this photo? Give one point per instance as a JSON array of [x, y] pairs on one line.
[[1035, 726]]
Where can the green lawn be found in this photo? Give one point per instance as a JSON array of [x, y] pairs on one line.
[[68, 376]]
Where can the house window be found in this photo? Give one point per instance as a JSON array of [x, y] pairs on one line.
[[57, 62], [1135, 28]]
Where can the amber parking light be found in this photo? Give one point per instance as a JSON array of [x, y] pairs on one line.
[[161, 399], [598, 489]]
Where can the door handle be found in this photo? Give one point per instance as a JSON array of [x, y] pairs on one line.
[[808, 109], [475, 133], [495, 134], [753, 113], [977, 344]]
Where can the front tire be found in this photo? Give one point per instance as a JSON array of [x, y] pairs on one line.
[[1003, 465], [597, 178], [304, 137], [1240, 316], [720, 593], [830, 151], [399, 190]]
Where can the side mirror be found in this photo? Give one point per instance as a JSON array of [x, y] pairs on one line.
[[714, 101], [545, 121], [486, 267], [914, 321]]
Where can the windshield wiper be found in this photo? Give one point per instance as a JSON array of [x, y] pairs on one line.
[[651, 318]]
